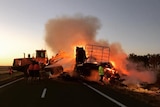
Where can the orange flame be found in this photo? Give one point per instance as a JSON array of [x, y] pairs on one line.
[[120, 66], [113, 63]]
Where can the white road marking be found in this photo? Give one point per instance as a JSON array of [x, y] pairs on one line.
[[10, 83], [44, 93], [104, 95]]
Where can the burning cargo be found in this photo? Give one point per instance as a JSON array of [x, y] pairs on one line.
[[88, 60]]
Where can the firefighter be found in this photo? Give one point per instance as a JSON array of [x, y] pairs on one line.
[[101, 72]]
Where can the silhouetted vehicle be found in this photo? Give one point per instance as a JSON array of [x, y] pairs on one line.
[[21, 64]]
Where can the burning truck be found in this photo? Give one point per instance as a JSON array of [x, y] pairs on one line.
[[88, 60]]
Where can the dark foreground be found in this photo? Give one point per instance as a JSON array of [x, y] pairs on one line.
[[61, 93]]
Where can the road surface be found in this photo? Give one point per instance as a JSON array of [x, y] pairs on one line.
[[61, 93]]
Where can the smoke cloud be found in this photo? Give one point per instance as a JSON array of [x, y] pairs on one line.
[[62, 33]]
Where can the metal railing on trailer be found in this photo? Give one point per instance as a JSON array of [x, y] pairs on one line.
[[97, 53]]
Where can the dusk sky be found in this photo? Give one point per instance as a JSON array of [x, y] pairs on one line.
[[135, 24]]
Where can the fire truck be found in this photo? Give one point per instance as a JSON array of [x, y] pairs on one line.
[[21, 64]]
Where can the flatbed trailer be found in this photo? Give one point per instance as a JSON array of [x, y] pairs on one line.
[[99, 53], [88, 59]]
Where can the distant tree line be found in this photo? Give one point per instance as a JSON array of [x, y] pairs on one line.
[[149, 60]]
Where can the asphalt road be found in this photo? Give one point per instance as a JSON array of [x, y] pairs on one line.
[[60, 93]]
